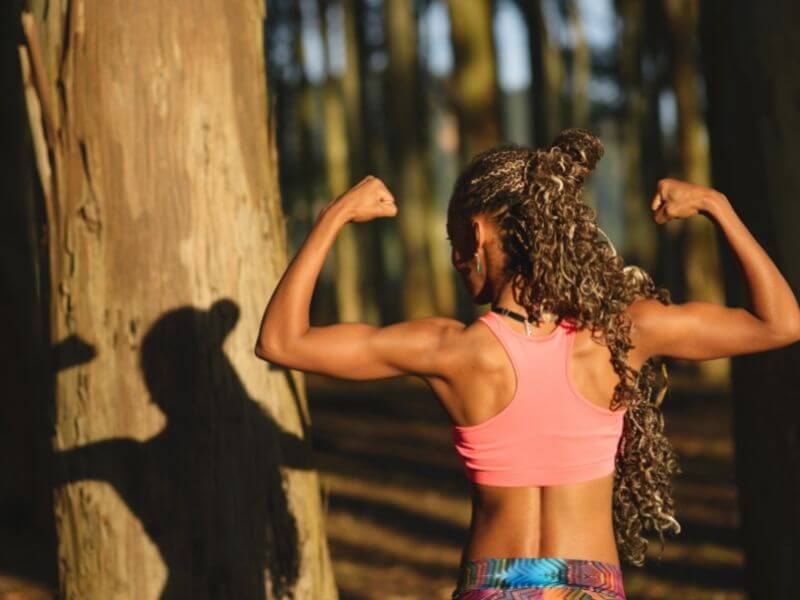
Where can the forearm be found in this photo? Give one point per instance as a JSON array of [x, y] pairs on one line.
[[771, 296], [286, 316]]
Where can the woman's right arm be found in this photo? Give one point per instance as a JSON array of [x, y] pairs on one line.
[[703, 330]]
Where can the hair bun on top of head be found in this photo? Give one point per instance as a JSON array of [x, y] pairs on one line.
[[581, 145]]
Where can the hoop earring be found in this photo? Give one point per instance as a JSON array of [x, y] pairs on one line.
[[478, 264]]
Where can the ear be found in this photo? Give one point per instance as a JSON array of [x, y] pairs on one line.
[[478, 233]]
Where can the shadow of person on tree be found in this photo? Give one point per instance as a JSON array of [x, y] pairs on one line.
[[208, 488]]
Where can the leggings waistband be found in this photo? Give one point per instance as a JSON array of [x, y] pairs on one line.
[[541, 572]]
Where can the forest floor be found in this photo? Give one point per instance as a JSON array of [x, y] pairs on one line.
[[397, 503]]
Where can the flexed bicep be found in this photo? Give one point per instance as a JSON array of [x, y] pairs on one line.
[[359, 351], [702, 330]]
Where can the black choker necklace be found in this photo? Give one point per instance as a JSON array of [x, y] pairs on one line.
[[514, 315], [510, 313]]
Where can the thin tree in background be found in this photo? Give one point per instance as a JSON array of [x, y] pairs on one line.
[[702, 267], [381, 246], [751, 51], [441, 165], [285, 92], [548, 75], [408, 156], [580, 75], [640, 230], [581, 67], [183, 465], [314, 173], [474, 83], [336, 123], [658, 141], [364, 238]]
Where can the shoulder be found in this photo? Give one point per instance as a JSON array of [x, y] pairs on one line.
[[428, 337], [439, 330], [450, 343], [644, 312], [652, 320]]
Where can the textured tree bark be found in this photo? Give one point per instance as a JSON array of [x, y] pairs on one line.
[[751, 54], [184, 464]]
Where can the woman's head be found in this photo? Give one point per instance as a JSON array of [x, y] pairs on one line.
[[518, 213]]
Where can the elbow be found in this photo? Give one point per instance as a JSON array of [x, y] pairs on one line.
[[261, 350], [794, 332], [793, 327], [788, 334], [277, 351], [267, 350], [269, 342]]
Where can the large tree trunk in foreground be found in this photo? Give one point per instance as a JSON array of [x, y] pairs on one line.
[[752, 52], [183, 464]]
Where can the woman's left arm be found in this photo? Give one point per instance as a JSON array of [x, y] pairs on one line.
[[346, 350]]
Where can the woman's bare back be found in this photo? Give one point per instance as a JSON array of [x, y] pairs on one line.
[[570, 521]]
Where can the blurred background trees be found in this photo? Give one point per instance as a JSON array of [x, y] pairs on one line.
[[751, 57], [441, 80], [409, 90]]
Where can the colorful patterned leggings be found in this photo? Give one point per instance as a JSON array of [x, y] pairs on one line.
[[538, 578]]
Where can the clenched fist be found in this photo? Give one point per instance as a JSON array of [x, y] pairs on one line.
[[675, 199], [367, 200]]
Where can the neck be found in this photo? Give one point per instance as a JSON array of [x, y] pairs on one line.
[[505, 298]]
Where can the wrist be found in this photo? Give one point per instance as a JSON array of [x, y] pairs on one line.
[[714, 201], [335, 211]]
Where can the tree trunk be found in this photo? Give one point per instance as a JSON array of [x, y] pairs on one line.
[[581, 75], [751, 52], [184, 463], [408, 157], [639, 227], [581, 68], [548, 75], [358, 240], [337, 169], [474, 81], [702, 268], [441, 168], [379, 242]]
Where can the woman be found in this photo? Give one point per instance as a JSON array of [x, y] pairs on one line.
[[550, 392]]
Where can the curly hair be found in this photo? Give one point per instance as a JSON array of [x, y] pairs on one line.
[[557, 263]]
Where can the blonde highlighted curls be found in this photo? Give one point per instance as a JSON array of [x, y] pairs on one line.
[[559, 261]]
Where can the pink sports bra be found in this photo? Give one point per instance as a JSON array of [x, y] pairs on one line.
[[548, 434]]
